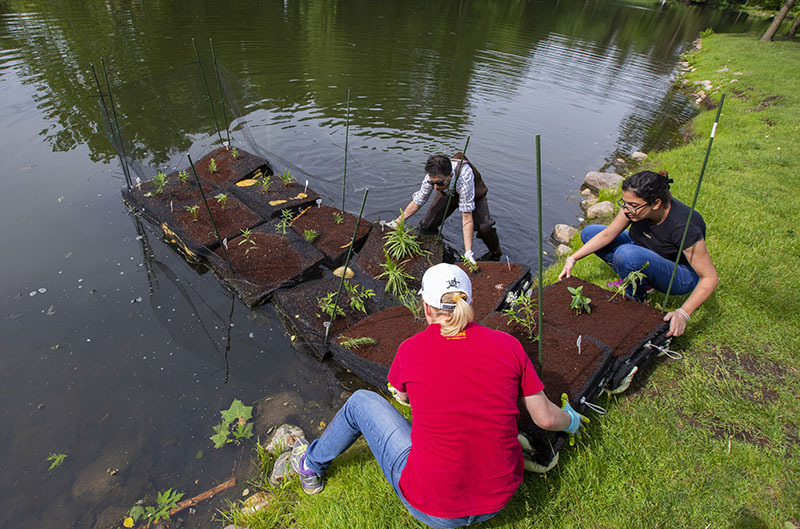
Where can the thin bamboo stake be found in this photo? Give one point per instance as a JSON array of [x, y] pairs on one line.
[[208, 92], [346, 138], [221, 96], [216, 231], [122, 163], [346, 264], [125, 168], [694, 200], [451, 191], [540, 252]]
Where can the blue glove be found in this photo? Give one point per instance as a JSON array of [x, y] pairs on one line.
[[576, 420]]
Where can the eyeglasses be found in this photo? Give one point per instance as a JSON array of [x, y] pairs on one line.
[[631, 208], [438, 183]]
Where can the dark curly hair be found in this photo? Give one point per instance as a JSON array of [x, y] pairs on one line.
[[649, 186], [438, 165]]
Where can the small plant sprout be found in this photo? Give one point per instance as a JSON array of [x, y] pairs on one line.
[[234, 426], [184, 176], [633, 280], [523, 312], [247, 238], [402, 242], [56, 460], [165, 502], [285, 222], [358, 295], [234, 152], [159, 181], [338, 218], [212, 166], [325, 304], [265, 182], [310, 235], [194, 210], [395, 276], [471, 267], [355, 343], [286, 177], [413, 303], [579, 302], [222, 199]]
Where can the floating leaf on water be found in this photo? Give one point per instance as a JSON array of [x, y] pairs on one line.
[[348, 274], [199, 454], [276, 202], [246, 182]]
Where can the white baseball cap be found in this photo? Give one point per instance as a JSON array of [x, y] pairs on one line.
[[440, 279]]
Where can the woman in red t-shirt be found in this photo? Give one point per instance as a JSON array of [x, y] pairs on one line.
[[460, 463]]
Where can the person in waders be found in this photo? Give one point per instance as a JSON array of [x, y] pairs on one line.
[[468, 196]]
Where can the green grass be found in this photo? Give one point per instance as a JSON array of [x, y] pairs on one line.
[[707, 441]]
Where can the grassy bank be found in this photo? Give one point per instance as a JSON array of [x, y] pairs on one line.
[[707, 441]]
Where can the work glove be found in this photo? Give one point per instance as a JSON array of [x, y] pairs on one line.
[[576, 420], [469, 256], [396, 396], [391, 224]]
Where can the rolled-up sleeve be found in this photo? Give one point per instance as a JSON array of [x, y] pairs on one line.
[[421, 196], [465, 187]]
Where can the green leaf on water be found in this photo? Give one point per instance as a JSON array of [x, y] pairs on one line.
[[56, 460], [237, 411]]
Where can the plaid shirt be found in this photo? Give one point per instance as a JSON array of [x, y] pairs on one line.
[[465, 188]]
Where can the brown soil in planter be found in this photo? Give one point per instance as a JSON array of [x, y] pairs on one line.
[[294, 194], [230, 220], [490, 284], [620, 323], [229, 169], [390, 327], [371, 256], [332, 236], [175, 191], [565, 371], [271, 261]]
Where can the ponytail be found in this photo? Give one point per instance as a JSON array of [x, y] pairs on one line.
[[458, 317]]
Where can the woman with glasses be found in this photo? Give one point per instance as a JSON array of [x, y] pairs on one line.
[[657, 223], [469, 196]]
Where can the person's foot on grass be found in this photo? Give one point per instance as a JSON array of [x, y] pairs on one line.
[[312, 484]]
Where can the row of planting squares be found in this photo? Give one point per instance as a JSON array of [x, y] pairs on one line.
[[281, 243]]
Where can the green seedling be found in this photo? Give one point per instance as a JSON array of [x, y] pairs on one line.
[[326, 305], [159, 182], [56, 460], [212, 166], [579, 302], [184, 176], [395, 276], [633, 279], [265, 182], [355, 343], [234, 152], [413, 303], [194, 210], [247, 238], [472, 268], [401, 242], [165, 502], [310, 235], [234, 426], [337, 217], [285, 222], [222, 199], [358, 295], [524, 311], [286, 177]]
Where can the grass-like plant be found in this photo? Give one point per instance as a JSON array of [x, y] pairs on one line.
[[286, 177], [579, 302], [401, 242], [212, 166], [265, 182], [326, 305], [247, 238], [634, 279], [194, 210], [160, 180], [56, 460], [222, 199], [395, 276], [358, 295], [472, 267], [338, 218], [235, 425], [285, 222], [184, 176], [523, 311], [165, 502], [234, 152], [413, 303], [355, 343], [310, 235]]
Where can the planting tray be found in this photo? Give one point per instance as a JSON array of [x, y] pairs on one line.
[[278, 197], [334, 239], [390, 327], [371, 256], [492, 284], [299, 308], [276, 261], [624, 325], [229, 169]]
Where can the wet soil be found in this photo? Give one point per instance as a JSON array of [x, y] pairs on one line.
[[270, 260], [278, 197], [491, 283], [390, 327], [333, 239], [229, 169], [230, 220], [371, 256]]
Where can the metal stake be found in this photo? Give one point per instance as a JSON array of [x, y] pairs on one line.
[[221, 96], [208, 93], [216, 231], [122, 163], [346, 138], [125, 168], [539, 253]]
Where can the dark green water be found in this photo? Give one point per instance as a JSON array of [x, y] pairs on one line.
[[119, 354]]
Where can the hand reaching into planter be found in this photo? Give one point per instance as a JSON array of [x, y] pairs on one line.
[[576, 420], [469, 256], [391, 224], [677, 319]]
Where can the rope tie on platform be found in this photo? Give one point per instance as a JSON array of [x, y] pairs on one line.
[[593, 407], [675, 355]]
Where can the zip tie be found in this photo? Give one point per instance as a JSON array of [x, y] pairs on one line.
[[675, 355], [593, 407]]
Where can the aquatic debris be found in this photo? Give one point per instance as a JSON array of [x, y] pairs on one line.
[[347, 274]]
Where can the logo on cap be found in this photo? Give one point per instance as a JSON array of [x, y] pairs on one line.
[[453, 283]]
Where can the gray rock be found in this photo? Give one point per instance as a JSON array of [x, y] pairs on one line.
[[562, 250], [586, 192], [589, 202], [276, 408], [102, 477], [284, 438], [563, 233], [638, 156], [601, 209], [595, 180]]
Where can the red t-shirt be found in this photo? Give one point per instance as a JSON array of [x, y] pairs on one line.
[[465, 458]]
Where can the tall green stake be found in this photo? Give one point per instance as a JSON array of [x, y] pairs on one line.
[[122, 161], [208, 92], [125, 168], [694, 200], [346, 264], [216, 231], [346, 137], [540, 252], [221, 95], [453, 187]]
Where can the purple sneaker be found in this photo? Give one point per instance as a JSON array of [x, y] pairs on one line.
[[312, 484]]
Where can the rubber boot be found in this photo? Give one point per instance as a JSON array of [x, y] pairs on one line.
[[492, 242]]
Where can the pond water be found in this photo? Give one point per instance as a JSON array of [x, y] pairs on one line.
[[118, 353]]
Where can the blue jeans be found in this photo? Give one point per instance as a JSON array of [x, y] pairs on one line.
[[624, 256], [388, 435]]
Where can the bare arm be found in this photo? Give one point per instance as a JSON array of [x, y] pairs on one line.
[[411, 208], [600, 240], [545, 414], [467, 227], [700, 261]]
